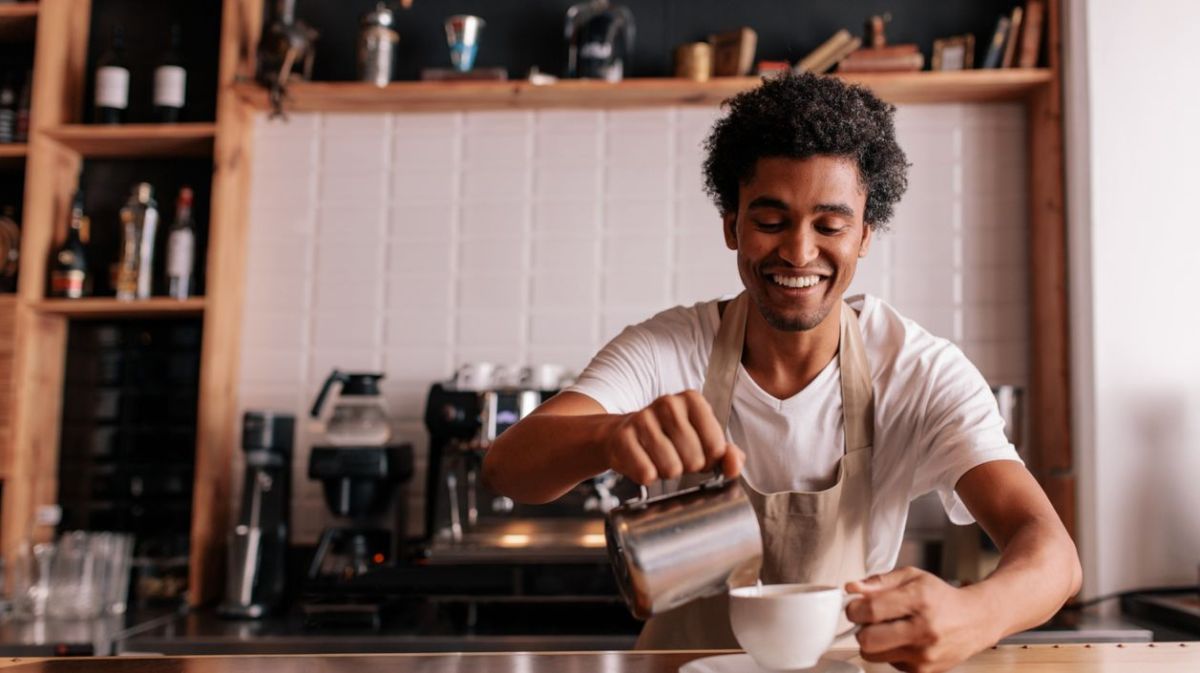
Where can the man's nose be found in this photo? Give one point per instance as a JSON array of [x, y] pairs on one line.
[[799, 245]]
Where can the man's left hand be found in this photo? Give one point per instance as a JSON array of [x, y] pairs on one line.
[[916, 622]]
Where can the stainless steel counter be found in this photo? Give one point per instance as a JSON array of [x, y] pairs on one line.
[[78, 637]]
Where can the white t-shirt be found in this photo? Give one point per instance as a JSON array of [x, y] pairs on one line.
[[935, 416]]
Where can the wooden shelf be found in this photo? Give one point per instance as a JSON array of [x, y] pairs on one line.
[[916, 87], [107, 307], [18, 22], [137, 140], [12, 154]]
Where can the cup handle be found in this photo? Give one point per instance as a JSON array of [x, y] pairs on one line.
[[854, 628]]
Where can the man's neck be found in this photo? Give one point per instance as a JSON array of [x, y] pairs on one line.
[[783, 363]]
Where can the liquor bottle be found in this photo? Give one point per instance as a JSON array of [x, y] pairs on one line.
[[170, 82], [112, 82], [181, 247], [22, 130], [8, 111], [69, 277], [139, 220]]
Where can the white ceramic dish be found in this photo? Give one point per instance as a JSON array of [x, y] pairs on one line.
[[744, 663]]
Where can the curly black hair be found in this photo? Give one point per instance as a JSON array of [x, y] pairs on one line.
[[804, 115]]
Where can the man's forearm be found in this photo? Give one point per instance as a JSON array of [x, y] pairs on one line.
[[545, 455], [1038, 572]]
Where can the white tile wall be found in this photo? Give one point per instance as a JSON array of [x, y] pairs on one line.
[[411, 243]]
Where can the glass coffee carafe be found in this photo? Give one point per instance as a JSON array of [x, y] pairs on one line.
[[349, 411]]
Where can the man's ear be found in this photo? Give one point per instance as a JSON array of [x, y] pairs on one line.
[[730, 225], [865, 245]]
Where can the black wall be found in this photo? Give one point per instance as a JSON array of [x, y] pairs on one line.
[[523, 33]]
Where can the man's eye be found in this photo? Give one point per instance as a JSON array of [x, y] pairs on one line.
[[768, 225]]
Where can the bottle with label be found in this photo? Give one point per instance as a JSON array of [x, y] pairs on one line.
[[181, 248], [170, 82], [8, 111], [112, 82], [139, 222], [22, 129], [69, 277]]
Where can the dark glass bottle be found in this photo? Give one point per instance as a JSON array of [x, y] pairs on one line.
[[69, 275], [170, 82], [112, 82]]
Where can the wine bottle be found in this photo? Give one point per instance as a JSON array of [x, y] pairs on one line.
[[112, 82], [181, 247], [8, 111], [69, 277], [170, 82]]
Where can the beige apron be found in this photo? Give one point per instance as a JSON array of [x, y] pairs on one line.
[[818, 536]]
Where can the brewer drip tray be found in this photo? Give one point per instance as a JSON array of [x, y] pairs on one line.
[[523, 540]]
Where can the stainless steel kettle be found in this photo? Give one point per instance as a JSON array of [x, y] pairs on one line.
[[673, 548]]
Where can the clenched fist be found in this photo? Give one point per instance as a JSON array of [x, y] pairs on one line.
[[677, 434]]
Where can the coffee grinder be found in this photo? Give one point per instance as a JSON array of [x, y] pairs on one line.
[[257, 570], [359, 471]]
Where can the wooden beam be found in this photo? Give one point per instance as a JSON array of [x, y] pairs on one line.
[[136, 140], [60, 61], [108, 307], [1050, 392], [917, 87], [220, 352]]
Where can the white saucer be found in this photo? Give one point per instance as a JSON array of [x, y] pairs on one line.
[[743, 663]]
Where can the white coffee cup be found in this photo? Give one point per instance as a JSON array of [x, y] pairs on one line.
[[475, 376], [787, 626]]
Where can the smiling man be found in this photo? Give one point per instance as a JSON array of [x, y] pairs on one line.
[[836, 412]]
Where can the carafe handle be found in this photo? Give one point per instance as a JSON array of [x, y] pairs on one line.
[[334, 377]]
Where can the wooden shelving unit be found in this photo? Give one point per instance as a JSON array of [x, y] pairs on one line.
[[106, 307], [58, 148], [917, 87], [136, 140]]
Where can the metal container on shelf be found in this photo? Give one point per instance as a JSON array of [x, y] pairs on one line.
[[377, 39]]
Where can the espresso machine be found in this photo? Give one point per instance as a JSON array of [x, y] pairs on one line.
[[259, 543], [359, 470], [468, 523]]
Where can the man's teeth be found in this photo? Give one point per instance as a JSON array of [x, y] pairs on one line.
[[796, 281]]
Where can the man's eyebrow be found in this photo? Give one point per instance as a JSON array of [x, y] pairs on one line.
[[768, 202], [835, 208]]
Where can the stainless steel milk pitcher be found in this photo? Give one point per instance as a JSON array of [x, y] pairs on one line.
[[671, 549]]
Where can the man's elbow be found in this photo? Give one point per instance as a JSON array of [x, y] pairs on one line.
[[1076, 571]]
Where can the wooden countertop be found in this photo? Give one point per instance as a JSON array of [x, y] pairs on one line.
[[1144, 658]]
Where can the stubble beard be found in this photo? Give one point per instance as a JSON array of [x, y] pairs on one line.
[[790, 323]]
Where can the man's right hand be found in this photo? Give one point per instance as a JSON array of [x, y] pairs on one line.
[[677, 434]]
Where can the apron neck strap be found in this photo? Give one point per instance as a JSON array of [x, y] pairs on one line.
[[858, 400]]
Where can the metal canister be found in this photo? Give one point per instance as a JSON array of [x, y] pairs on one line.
[[673, 548], [376, 45]]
